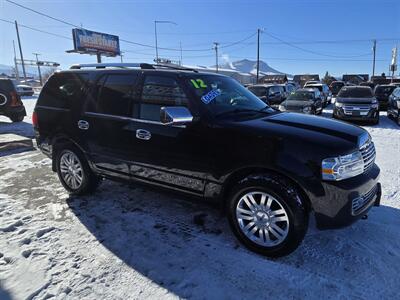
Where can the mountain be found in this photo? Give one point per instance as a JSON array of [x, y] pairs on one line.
[[250, 66], [8, 70]]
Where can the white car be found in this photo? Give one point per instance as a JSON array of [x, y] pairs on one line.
[[24, 90]]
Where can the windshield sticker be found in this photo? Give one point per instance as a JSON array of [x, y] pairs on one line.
[[198, 83], [211, 95]]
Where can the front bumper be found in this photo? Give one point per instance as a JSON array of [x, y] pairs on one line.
[[344, 202], [339, 113]]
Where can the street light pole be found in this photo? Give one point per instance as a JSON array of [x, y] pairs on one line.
[[38, 66], [258, 53], [373, 63], [155, 34], [216, 56]]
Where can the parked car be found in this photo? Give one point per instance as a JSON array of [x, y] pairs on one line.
[[335, 87], [356, 103], [24, 90], [205, 135], [393, 108], [11, 105], [326, 94], [382, 93], [287, 89], [272, 94], [306, 101]]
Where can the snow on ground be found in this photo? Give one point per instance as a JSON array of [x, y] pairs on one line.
[[129, 242], [23, 128]]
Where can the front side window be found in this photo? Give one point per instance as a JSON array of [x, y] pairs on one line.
[[115, 95], [259, 91], [160, 91]]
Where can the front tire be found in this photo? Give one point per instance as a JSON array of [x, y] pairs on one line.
[[74, 172], [267, 215]]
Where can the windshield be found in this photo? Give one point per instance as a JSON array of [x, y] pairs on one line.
[[355, 93], [222, 94], [259, 91], [301, 96]]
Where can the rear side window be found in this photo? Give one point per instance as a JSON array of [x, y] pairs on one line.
[[115, 94], [159, 91], [62, 89], [6, 85]]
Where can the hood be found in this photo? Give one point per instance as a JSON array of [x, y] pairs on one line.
[[297, 103], [355, 100], [301, 131]]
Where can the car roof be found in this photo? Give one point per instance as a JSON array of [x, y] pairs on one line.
[[263, 85], [316, 84]]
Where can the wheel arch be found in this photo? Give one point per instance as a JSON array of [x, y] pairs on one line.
[[59, 142], [242, 173]]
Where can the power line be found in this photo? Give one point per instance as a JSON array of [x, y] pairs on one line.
[[38, 30], [314, 52]]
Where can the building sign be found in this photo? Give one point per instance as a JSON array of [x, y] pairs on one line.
[[91, 42]]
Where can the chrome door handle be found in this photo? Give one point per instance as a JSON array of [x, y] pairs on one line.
[[82, 124], [143, 134]]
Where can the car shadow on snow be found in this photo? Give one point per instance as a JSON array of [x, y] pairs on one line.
[[187, 248]]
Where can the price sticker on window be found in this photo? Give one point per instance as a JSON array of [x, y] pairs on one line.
[[198, 83], [211, 95]]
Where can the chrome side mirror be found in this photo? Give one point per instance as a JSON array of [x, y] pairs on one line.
[[175, 115]]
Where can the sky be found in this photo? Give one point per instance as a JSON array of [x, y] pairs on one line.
[[298, 36]]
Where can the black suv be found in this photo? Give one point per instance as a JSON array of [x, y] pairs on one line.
[[11, 105], [272, 94], [207, 136], [356, 103], [393, 109], [382, 93]]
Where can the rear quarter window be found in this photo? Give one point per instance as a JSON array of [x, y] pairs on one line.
[[62, 89], [6, 85]]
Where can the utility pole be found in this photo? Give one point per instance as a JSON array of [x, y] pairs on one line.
[[216, 56], [258, 53], [155, 34], [20, 50], [373, 64], [180, 45], [121, 56], [38, 66], [98, 54], [15, 62]]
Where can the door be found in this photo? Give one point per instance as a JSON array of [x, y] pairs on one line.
[[167, 155], [104, 122]]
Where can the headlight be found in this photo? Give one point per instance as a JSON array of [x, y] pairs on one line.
[[307, 110], [338, 104], [282, 108], [342, 167]]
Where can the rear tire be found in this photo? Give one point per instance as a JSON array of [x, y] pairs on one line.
[[17, 118], [267, 215], [74, 172]]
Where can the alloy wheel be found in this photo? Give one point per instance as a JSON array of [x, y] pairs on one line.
[[262, 218], [71, 169]]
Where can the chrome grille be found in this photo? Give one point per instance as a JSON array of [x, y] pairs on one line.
[[359, 204], [362, 109], [368, 154]]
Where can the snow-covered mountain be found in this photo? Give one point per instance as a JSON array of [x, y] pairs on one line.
[[250, 66]]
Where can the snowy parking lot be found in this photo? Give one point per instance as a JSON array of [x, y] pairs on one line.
[[127, 242]]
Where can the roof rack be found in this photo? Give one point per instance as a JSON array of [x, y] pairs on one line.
[[145, 66]]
